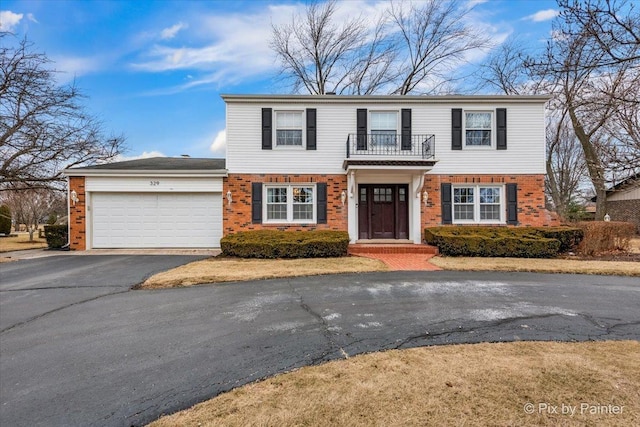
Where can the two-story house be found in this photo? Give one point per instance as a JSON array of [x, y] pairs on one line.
[[384, 167], [379, 167]]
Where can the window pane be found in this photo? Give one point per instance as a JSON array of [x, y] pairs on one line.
[[478, 137], [489, 195], [302, 195], [277, 211], [463, 212], [302, 212], [288, 119], [490, 212], [384, 120], [289, 137], [478, 120], [277, 195], [463, 195], [384, 137]]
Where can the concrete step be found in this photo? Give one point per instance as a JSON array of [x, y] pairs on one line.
[[391, 248]]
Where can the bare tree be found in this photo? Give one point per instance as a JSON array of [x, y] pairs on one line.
[[433, 39], [43, 126], [596, 90], [320, 55], [33, 205], [409, 49]]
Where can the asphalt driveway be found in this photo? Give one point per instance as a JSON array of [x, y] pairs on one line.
[[126, 357]]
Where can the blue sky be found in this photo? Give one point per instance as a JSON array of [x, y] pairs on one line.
[[154, 70]]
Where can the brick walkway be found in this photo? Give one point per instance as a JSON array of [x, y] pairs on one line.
[[407, 262]]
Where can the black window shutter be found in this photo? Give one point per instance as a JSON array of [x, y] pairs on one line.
[[456, 129], [321, 197], [311, 128], [445, 198], [501, 126], [406, 129], [512, 204], [267, 134], [256, 202], [362, 128]]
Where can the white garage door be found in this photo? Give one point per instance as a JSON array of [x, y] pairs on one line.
[[158, 220]]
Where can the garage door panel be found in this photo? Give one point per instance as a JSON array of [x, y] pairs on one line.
[[156, 220]]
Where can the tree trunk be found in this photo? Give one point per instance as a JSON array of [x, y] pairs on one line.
[[594, 165]]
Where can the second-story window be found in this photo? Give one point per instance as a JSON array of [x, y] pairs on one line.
[[477, 129], [384, 128], [289, 128]]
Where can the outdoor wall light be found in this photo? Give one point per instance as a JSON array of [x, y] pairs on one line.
[[607, 218], [229, 197], [343, 197], [425, 197], [74, 197]]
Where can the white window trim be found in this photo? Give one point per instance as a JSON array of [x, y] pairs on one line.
[[464, 131], [275, 131], [476, 204], [289, 187]]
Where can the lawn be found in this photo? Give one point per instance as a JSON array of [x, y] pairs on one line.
[[220, 269], [21, 242], [520, 383]]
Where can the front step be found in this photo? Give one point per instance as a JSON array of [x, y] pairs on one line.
[[391, 248]]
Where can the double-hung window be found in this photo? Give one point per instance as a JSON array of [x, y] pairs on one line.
[[478, 203], [478, 125], [290, 203], [289, 128], [384, 128]]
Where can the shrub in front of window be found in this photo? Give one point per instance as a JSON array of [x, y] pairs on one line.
[[57, 235], [521, 242], [286, 244]]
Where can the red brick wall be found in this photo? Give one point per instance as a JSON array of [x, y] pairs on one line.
[[531, 200], [77, 215], [237, 215]]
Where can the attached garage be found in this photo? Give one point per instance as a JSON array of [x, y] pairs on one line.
[[148, 203], [160, 220]]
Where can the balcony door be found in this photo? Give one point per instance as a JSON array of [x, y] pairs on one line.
[[383, 211]]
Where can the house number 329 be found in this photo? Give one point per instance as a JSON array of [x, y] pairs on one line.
[[154, 183]]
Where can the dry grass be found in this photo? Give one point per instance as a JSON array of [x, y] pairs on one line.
[[619, 268], [635, 246], [480, 384], [216, 270], [21, 242]]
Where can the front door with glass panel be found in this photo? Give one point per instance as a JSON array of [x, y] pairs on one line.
[[383, 211]]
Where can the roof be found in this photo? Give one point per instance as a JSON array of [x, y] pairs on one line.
[[622, 185], [163, 165], [405, 99]]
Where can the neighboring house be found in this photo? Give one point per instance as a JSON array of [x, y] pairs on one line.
[[149, 203], [384, 167], [623, 201], [379, 167]]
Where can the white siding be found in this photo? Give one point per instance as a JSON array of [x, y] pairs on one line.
[[629, 194], [152, 184], [335, 121]]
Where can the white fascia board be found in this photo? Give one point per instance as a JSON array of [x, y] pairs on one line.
[[395, 99], [390, 169]]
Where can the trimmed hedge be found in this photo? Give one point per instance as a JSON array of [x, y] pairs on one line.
[[521, 242], [286, 244], [57, 235]]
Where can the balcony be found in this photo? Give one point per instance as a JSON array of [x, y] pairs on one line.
[[390, 149]]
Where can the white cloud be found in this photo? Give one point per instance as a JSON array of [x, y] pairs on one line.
[[144, 155], [219, 145], [543, 15], [70, 67], [170, 32], [9, 20], [32, 18]]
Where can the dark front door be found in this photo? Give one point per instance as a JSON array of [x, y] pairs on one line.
[[383, 211]]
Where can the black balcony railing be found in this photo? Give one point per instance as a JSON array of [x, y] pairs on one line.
[[391, 145]]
